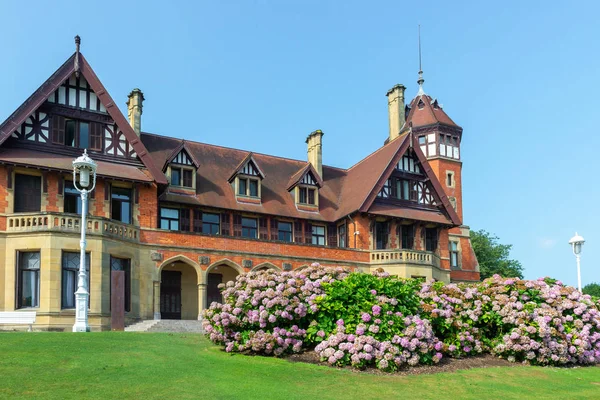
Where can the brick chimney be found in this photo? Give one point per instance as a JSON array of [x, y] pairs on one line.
[[315, 153], [396, 110], [134, 109]]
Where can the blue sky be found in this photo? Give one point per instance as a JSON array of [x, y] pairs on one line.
[[519, 77]]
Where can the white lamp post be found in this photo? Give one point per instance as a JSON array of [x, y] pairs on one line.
[[576, 243], [86, 168]]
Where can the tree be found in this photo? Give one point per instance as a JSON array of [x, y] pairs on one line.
[[493, 257], [593, 289]]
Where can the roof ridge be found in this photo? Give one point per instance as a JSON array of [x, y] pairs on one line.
[[377, 151], [242, 150]]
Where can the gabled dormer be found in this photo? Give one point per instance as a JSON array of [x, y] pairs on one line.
[[304, 187], [246, 181], [181, 168]]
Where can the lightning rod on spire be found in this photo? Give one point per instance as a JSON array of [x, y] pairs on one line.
[[420, 80]]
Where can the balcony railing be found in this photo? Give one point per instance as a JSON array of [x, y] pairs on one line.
[[57, 222], [398, 256]]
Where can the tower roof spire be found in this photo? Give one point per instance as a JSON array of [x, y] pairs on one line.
[[420, 80]]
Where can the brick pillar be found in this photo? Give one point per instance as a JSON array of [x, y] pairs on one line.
[[418, 238]]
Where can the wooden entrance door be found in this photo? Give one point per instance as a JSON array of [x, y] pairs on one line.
[[170, 295], [213, 292]]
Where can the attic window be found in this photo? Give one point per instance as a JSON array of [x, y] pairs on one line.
[[182, 177], [421, 104], [181, 171], [307, 195], [248, 187]]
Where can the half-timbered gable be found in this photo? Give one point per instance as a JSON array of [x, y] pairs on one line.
[[74, 118], [407, 185], [70, 112]]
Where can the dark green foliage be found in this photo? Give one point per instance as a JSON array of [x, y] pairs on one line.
[[493, 257]]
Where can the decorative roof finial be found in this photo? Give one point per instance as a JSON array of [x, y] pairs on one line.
[[77, 44], [420, 80]]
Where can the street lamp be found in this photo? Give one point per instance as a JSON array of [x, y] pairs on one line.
[[85, 167], [576, 243]]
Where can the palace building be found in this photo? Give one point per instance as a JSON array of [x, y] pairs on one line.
[[179, 217]]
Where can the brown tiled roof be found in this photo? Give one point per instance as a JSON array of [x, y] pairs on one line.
[[343, 191], [48, 87], [27, 157], [429, 113]]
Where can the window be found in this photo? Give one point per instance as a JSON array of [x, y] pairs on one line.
[[318, 235], [450, 179], [73, 133], [242, 187], [176, 176], [249, 226], [407, 233], [306, 195], [182, 177], [431, 238], [70, 129], [123, 264], [342, 235], [72, 199], [28, 279], [28, 193], [210, 223], [381, 235], [188, 178], [284, 230], [84, 135], [422, 140], [454, 254], [169, 218], [253, 187], [248, 187], [96, 135], [121, 204], [70, 274]]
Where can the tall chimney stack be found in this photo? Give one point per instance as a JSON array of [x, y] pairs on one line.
[[134, 110], [396, 110], [315, 152]]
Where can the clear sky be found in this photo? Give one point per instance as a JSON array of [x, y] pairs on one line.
[[520, 77]]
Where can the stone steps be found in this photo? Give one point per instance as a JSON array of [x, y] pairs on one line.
[[169, 325], [141, 326]]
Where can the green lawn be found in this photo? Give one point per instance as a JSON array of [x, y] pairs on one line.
[[179, 366]]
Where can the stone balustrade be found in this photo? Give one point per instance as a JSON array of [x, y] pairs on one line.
[[401, 256], [57, 222]]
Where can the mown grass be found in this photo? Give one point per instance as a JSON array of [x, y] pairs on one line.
[[184, 366]]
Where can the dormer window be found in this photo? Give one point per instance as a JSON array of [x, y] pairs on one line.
[[246, 181], [182, 177], [182, 170], [307, 195], [248, 187], [304, 188]]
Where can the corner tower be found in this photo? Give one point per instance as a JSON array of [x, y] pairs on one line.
[[439, 138]]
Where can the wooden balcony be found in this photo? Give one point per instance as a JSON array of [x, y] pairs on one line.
[[57, 222], [400, 256]]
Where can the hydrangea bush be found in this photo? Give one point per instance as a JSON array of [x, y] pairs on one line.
[[386, 322]]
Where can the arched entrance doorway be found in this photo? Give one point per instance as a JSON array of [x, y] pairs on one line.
[[219, 273], [178, 291]]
